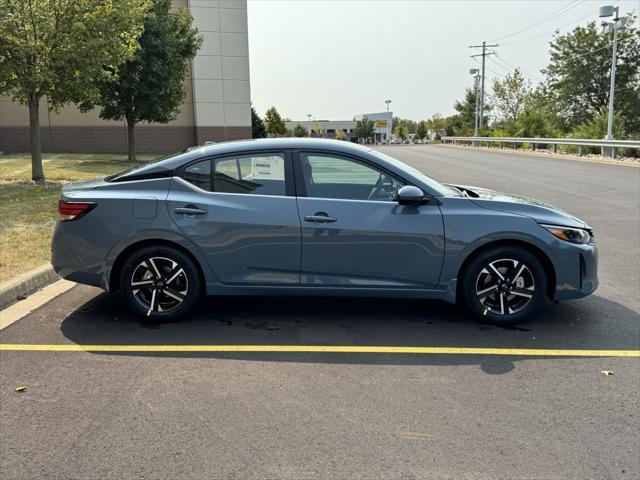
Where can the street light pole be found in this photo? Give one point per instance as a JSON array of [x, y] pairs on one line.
[[476, 82], [309, 125], [388, 102], [617, 24], [609, 11], [612, 87]]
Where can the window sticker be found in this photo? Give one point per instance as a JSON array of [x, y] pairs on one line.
[[267, 168]]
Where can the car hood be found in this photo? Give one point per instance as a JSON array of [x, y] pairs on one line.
[[541, 212]]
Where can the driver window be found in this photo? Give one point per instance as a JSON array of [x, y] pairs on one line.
[[328, 176]]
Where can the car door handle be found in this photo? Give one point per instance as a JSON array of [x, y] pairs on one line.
[[320, 217], [189, 210]]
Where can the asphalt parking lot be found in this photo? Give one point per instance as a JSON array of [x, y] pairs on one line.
[[162, 414]]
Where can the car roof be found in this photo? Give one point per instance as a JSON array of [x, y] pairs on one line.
[[269, 143]]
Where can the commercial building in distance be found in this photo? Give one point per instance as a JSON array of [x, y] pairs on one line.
[[328, 128], [217, 105], [380, 119]]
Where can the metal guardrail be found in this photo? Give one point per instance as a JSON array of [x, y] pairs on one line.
[[581, 142]]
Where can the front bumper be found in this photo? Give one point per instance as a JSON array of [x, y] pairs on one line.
[[576, 272]]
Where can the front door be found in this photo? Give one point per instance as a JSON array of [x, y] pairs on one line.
[[242, 213], [354, 233]]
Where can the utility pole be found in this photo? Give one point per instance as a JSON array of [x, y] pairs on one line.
[[309, 125], [484, 53]]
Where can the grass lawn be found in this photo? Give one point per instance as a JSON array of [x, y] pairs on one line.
[[28, 212]]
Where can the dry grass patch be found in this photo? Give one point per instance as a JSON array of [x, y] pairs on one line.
[[28, 212], [68, 167]]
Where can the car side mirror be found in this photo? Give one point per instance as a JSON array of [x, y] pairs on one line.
[[410, 195]]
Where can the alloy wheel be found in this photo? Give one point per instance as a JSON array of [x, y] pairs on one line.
[[159, 284], [505, 286]]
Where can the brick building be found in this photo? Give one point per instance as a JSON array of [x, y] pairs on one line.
[[216, 106]]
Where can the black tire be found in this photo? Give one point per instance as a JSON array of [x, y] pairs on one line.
[[508, 301], [177, 289]]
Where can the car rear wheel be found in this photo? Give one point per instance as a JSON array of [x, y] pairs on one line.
[[504, 285], [160, 283]]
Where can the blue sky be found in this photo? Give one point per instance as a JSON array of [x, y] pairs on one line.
[[335, 59]]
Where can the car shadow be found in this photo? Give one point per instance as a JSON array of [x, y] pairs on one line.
[[591, 323]]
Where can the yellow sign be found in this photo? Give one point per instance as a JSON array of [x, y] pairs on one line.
[[381, 124]]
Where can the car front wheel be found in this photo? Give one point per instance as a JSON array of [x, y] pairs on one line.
[[160, 283], [504, 285]]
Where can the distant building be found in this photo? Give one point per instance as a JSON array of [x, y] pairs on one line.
[[329, 128], [380, 119], [217, 105]]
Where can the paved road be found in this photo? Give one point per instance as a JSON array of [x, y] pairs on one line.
[[286, 415]]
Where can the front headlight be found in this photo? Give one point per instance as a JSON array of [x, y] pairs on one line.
[[573, 235]]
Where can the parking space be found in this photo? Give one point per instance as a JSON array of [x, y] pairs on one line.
[[502, 410]]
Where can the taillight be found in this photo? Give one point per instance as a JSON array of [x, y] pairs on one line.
[[68, 211]]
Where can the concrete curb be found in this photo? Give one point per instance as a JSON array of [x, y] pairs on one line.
[[26, 283]]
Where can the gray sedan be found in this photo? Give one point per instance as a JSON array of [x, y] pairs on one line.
[[315, 217]]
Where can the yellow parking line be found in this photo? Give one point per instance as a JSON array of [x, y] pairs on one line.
[[528, 352]]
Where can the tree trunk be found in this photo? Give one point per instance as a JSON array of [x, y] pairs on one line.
[[37, 174], [131, 135]]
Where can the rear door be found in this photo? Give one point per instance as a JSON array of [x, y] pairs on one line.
[[354, 233], [241, 211]]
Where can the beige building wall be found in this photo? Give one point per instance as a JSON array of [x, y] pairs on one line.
[[216, 106], [221, 93]]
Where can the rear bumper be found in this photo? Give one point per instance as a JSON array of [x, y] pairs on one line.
[[73, 262], [576, 272]]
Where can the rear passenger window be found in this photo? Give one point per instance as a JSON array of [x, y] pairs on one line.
[[199, 174], [257, 174]]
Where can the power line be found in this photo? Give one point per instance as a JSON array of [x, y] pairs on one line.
[[592, 51], [544, 19], [557, 29], [526, 73], [499, 75], [609, 91]]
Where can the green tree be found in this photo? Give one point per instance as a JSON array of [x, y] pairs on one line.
[[299, 131], [59, 48], [401, 132], [150, 86], [411, 125], [533, 122], [258, 129], [466, 109], [453, 125], [421, 130], [577, 78], [437, 124], [340, 135], [597, 126], [365, 128], [395, 121], [275, 123], [509, 97], [317, 129]]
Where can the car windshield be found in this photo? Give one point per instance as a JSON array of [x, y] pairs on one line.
[[430, 182]]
